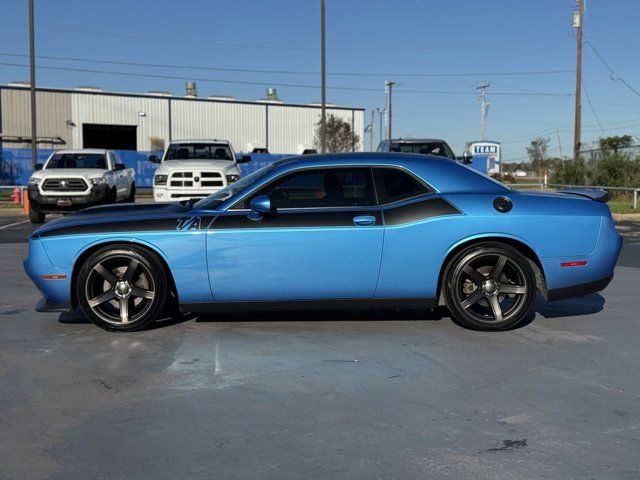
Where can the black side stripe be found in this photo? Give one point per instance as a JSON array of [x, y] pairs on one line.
[[294, 220], [183, 223], [421, 210]]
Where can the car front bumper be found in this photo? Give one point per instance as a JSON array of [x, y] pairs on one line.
[[54, 283], [98, 195], [178, 194]]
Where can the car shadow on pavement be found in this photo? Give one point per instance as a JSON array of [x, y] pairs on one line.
[[587, 305]]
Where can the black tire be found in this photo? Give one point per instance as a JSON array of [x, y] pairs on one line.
[[489, 286], [35, 216], [113, 195], [122, 288], [132, 195]]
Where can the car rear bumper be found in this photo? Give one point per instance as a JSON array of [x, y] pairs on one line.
[[98, 195], [579, 290]]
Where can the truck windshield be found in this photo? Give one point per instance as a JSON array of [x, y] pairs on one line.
[[78, 160], [215, 199], [198, 151], [440, 149]]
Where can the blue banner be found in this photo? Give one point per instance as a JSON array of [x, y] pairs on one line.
[[15, 164]]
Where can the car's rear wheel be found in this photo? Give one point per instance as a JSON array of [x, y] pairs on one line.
[[489, 286], [122, 288]]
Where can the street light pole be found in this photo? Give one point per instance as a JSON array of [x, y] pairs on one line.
[[323, 59], [32, 80]]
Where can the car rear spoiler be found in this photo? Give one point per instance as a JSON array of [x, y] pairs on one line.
[[597, 194]]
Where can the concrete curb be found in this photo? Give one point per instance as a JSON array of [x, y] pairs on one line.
[[619, 217]]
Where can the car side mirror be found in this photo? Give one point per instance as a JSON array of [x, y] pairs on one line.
[[467, 158], [38, 166], [119, 166], [154, 159], [260, 205], [244, 159]]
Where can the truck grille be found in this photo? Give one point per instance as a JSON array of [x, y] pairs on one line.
[[196, 179], [64, 185]]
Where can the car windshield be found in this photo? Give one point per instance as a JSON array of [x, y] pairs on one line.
[[78, 160], [215, 199], [199, 151], [425, 148]]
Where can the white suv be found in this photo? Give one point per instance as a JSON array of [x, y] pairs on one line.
[[193, 169]]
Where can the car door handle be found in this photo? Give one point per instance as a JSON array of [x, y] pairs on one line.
[[364, 220]]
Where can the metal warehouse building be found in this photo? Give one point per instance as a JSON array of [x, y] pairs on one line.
[[87, 117]]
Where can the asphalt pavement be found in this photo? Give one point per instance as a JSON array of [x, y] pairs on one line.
[[388, 395]]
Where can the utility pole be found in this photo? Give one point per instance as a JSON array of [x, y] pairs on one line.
[[389, 92], [372, 130], [32, 81], [484, 108], [381, 116], [323, 60], [577, 24], [559, 144]]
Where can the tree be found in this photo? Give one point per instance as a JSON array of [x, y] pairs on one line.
[[340, 136], [537, 152], [615, 143]]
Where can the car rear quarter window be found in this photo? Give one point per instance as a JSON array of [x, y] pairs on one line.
[[394, 185]]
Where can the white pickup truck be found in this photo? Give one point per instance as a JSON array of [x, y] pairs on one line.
[[193, 169], [74, 179]]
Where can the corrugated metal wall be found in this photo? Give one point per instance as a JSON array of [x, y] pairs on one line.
[[120, 110], [53, 110], [289, 128], [240, 123]]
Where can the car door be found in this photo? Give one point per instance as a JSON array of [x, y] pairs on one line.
[[119, 176], [323, 242]]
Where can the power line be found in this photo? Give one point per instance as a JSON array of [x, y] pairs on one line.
[[593, 110], [613, 75], [619, 12], [281, 47], [248, 82], [285, 72]]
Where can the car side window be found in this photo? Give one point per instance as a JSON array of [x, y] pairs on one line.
[[394, 185], [339, 187]]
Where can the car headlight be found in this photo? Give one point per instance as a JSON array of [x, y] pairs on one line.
[[160, 179], [232, 178], [98, 181], [34, 181]]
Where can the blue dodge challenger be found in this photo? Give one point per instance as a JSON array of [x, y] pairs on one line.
[[380, 230]]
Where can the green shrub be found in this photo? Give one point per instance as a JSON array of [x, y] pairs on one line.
[[570, 172]]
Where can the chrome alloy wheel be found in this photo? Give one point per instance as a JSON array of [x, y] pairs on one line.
[[120, 289], [491, 287]]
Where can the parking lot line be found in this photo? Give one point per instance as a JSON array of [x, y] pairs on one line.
[[13, 224]]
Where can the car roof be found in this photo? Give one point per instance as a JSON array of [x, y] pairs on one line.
[[444, 174], [200, 140], [415, 140], [83, 150]]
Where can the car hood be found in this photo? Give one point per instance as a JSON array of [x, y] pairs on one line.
[[68, 172], [117, 213]]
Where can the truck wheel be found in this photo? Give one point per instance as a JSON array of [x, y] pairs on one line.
[[113, 195], [122, 288], [34, 216], [132, 195]]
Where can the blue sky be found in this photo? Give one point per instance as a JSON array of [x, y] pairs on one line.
[[365, 37]]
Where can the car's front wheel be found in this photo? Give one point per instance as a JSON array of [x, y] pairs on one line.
[[122, 288], [489, 286], [35, 216]]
